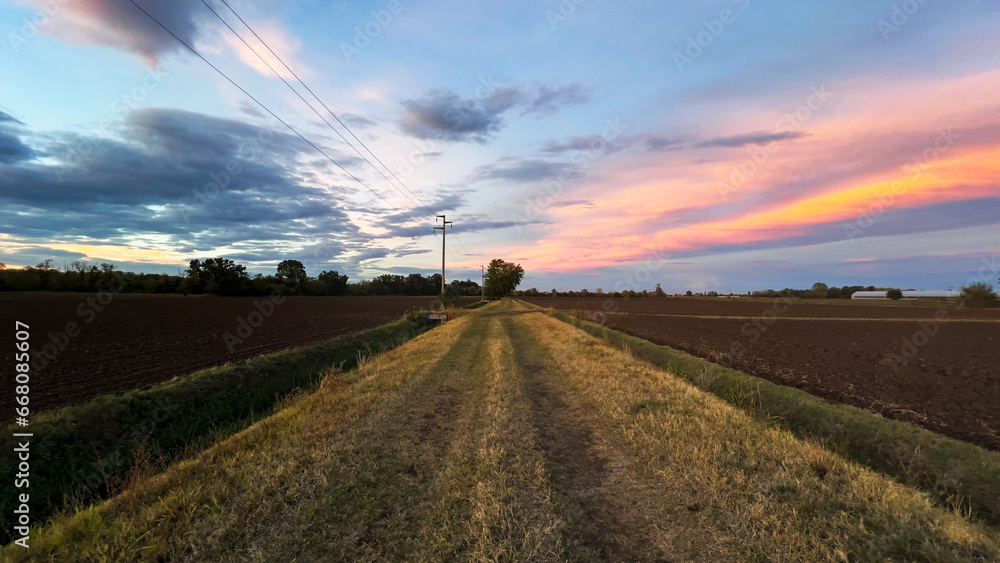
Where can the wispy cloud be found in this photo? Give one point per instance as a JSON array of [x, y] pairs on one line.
[[444, 115], [12, 149], [759, 138], [519, 171], [120, 25], [187, 183]]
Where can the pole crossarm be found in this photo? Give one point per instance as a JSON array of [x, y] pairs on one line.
[[442, 228]]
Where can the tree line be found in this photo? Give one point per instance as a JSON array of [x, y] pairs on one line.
[[819, 290], [222, 276]]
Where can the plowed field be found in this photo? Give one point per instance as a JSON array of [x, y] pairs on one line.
[[906, 362], [133, 341]]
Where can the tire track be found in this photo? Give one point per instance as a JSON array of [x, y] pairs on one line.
[[587, 471]]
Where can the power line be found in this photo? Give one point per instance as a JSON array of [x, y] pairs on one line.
[[265, 108], [460, 243], [296, 92], [331, 112], [304, 85]]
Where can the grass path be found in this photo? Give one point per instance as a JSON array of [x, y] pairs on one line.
[[507, 435]]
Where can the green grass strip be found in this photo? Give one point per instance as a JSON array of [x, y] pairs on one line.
[[955, 473], [82, 453]]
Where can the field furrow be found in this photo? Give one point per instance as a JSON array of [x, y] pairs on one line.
[[507, 435]]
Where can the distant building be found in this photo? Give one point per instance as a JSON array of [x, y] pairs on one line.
[[909, 294]]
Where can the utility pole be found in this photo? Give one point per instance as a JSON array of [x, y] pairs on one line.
[[482, 288], [444, 225]]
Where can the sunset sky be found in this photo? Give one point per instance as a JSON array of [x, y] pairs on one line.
[[725, 145]]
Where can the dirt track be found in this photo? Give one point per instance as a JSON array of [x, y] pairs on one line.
[[507, 435], [136, 341], [844, 352]]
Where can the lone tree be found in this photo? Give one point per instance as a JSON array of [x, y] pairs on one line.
[[292, 274], [894, 294], [820, 289], [979, 294], [502, 278]]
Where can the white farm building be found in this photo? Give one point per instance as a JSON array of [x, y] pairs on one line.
[[910, 294]]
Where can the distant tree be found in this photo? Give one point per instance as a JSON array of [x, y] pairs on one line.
[[415, 284], [661, 293], [292, 274], [820, 289], [894, 294], [46, 265], [3, 266], [459, 288], [333, 282], [218, 275], [432, 285], [978, 294], [502, 278], [833, 292], [387, 284]]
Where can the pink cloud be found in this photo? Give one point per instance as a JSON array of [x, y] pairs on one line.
[[855, 153]]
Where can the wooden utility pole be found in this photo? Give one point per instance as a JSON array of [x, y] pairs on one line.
[[444, 225]]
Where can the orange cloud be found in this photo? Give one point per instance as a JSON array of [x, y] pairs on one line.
[[841, 143], [605, 236], [118, 253]]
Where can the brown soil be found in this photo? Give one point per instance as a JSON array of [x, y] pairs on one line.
[[843, 352], [589, 474], [134, 341]]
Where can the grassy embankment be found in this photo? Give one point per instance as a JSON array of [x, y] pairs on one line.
[[507, 435], [94, 449], [955, 473]]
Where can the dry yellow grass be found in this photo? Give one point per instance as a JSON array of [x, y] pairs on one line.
[[506, 435], [776, 497]]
